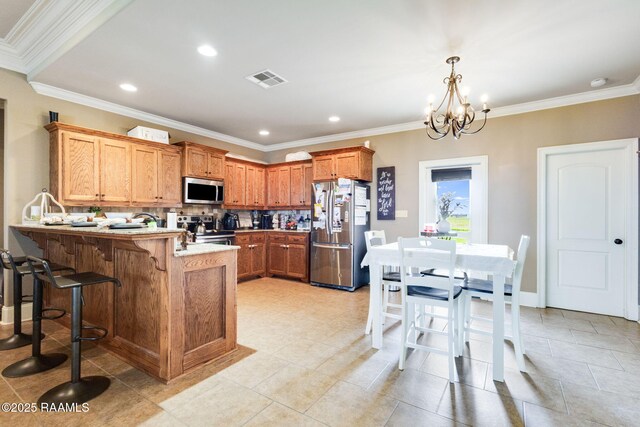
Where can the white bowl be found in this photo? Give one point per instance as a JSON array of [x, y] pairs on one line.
[[125, 215], [89, 214]]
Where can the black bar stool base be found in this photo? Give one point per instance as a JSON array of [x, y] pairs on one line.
[[82, 391], [33, 365], [16, 341]]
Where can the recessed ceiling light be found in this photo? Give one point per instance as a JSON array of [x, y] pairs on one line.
[[600, 81], [128, 87], [264, 132], [334, 119], [207, 50]]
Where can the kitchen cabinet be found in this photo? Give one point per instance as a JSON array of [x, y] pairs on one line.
[[301, 181], [252, 254], [235, 183], [202, 161], [255, 187], [350, 162], [288, 255], [91, 167], [287, 185]]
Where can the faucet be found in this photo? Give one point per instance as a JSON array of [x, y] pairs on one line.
[[150, 215]]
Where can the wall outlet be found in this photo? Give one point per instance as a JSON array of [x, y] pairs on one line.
[[402, 214]]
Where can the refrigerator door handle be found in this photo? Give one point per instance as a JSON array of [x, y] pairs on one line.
[[330, 210], [320, 245]]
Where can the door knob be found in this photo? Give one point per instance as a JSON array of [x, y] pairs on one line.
[[618, 241]]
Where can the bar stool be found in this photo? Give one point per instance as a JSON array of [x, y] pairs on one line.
[[15, 264], [37, 362], [78, 390]]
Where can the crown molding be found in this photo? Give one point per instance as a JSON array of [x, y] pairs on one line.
[[77, 98], [49, 29]]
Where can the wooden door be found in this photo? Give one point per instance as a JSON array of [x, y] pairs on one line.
[[272, 187], [169, 182], [197, 163], [260, 188], [250, 187], [80, 168], [346, 165], [239, 180], [297, 260], [297, 185], [244, 255], [215, 166], [307, 192], [258, 255], [323, 167], [276, 255], [115, 171], [229, 176], [144, 181], [284, 186]]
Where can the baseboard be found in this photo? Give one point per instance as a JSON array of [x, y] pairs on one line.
[[529, 299], [7, 313]]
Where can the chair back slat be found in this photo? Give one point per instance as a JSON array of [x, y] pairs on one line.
[[40, 269], [521, 256], [7, 260], [419, 253]]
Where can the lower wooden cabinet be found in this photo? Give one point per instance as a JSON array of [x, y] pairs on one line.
[[273, 253], [288, 255], [252, 254]]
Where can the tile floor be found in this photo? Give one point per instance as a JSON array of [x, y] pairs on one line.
[[313, 366]]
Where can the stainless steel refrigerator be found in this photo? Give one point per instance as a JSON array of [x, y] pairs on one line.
[[341, 215]]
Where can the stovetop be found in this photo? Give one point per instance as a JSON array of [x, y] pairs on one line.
[[209, 222]]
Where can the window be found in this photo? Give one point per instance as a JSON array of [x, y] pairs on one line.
[[465, 181]]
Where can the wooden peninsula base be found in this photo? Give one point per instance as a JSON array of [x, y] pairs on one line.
[[175, 310]]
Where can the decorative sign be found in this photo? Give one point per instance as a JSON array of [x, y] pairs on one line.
[[386, 193]]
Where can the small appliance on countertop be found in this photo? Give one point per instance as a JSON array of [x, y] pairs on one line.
[[230, 221], [266, 222], [204, 229]]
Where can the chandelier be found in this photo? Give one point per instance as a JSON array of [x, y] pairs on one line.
[[458, 114]]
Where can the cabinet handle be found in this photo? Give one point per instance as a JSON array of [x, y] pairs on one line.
[[161, 197], [97, 195]]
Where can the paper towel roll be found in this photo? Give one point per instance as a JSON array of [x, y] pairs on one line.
[[172, 220]]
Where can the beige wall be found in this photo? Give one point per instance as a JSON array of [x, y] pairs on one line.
[[27, 144], [511, 143]]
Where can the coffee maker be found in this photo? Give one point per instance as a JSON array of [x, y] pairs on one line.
[[266, 222]]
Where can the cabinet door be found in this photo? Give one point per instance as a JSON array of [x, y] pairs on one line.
[[297, 260], [260, 188], [169, 182], [215, 166], [115, 171], [258, 258], [229, 176], [284, 186], [307, 192], [239, 182], [347, 165], [276, 254], [297, 185], [80, 168], [250, 187], [144, 181], [244, 255], [272, 187], [323, 167], [197, 163]]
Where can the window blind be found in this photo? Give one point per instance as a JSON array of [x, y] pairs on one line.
[[451, 174]]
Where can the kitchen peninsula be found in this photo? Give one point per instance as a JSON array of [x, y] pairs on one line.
[[175, 311]]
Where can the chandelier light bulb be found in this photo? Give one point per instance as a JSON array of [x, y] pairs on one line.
[[431, 98], [484, 98]]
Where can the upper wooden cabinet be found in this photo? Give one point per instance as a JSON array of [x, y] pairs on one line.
[[244, 184], [289, 185], [350, 162], [91, 167], [202, 161]]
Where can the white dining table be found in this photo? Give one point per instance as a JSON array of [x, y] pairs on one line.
[[496, 260]]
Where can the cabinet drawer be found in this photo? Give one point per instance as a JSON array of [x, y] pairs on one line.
[[297, 238], [258, 237], [243, 239], [277, 237]]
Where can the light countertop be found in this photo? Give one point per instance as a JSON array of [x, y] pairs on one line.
[[95, 231], [203, 248], [272, 231]]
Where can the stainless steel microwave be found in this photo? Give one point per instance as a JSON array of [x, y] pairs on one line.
[[202, 191]]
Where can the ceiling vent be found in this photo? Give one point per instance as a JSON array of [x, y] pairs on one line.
[[266, 79]]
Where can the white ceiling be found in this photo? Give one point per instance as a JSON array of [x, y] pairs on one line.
[[12, 11], [372, 63]]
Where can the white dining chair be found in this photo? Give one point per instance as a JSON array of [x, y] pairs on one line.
[[389, 279], [418, 290], [484, 289]]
